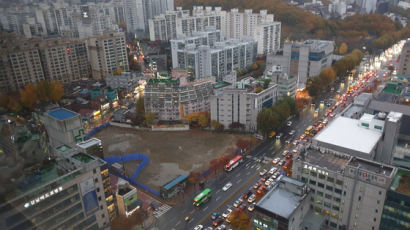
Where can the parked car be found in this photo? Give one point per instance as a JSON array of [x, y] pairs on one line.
[[237, 202], [246, 195], [198, 227], [217, 221], [242, 207], [251, 207], [292, 132], [257, 184], [289, 123], [276, 160], [272, 170], [227, 186], [285, 152], [222, 227]]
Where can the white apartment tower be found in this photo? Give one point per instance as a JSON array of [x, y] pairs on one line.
[[134, 13]]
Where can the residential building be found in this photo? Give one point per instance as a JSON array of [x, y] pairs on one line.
[[91, 146], [286, 84], [68, 189], [127, 198], [107, 54], [284, 207], [349, 191], [268, 36], [171, 100], [308, 58], [134, 13], [63, 126], [154, 8], [164, 26], [396, 210], [126, 80], [241, 104], [404, 63], [203, 61]]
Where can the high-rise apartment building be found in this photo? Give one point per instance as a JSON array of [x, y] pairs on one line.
[[349, 191], [404, 64], [31, 60], [222, 58], [70, 189], [153, 8], [107, 54], [134, 13], [164, 26]]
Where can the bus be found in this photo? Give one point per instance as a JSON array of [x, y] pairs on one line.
[[308, 130], [202, 197], [233, 163]]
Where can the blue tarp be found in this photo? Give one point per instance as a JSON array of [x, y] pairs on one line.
[[62, 114], [175, 181]]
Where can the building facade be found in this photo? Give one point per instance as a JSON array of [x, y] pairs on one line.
[[404, 62], [308, 58], [286, 84], [170, 100], [347, 190], [73, 192], [241, 105], [107, 54]]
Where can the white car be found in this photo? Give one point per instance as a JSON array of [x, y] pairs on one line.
[[227, 186], [272, 170], [276, 160], [252, 198], [289, 123], [263, 172], [198, 227], [227, 213], [269, 181]]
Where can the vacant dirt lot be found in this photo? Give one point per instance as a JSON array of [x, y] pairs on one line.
[[170, 153]]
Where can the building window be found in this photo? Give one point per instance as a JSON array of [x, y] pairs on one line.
[[321, 185], [339, 191], [312, 182], [319, 193], [313, 173], [329, 188], [376, 210], [380, 192], [374, 219], [94, 171], [330, 179], [101, 207], [103, 215], [96, 180], [99, 198]]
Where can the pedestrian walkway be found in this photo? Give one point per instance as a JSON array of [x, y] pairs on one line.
[[161, 210]]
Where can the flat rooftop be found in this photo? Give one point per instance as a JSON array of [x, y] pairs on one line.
[[401, 182], [62, 114], [280, 201], [88, 143], [345, 132], [325, 160], [372, 166]]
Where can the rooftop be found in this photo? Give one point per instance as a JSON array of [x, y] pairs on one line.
[[175, 181], [221, 84], [62, 114], [281, 201], [371, 166], [84, 158], [329, 161], [393, 88], [339, 133], [401, 182], [88, 143]]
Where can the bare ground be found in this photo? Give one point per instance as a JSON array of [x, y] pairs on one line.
[[170, 153]]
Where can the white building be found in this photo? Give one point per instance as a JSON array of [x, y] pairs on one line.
[[267, 34], [286, 84], [241, 104], [134, 14], [404, 64], [308, 58], [222, 58]]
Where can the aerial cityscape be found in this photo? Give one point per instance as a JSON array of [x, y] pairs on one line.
[[205, 114]]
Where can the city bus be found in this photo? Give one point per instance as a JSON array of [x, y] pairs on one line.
[[308, 130], [233, 163], [202, 197]]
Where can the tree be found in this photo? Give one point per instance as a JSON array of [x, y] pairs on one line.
[[217, 126], [193, 178], [4, 100], [150, 119], [267, 121], [203, 120], [28, 96], [56, 91], [327, 75], [14, 105], [258, 89], [140, 112], [343, 48], [240, 220], [242, 144], [266, 83], [213, 165]]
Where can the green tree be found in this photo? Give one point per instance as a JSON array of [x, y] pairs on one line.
[[267, 121], [266, 83], [140, 112], [292, 104]]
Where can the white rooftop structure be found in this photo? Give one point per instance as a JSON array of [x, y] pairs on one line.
[[348, 135], [88, 143]]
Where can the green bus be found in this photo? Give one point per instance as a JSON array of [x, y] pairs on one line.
[[202, 197]]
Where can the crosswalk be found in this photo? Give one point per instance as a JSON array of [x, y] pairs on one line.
[[161, 210]]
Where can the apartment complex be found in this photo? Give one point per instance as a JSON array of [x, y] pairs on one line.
[[234, 24], [285, 206], [171, 100], [107, 54], [126, 80], [241, 104], [404, 64], [69, 190], [349, 191], [31, 60], [201, 60]]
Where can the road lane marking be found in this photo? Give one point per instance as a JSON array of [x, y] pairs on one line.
[[193, 210], [218, 198], [253, 166], [257, 168], [205, 208], [238, 181], [177, 223], [249, 172], [191, 220], [217, 191], [238, 174]]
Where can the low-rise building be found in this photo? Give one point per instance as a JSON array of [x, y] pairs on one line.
[[283, 207], [286, 84], [241, 104], [126, 80], [170, 100]]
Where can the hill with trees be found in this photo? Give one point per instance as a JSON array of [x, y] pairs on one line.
[[297, 24]]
